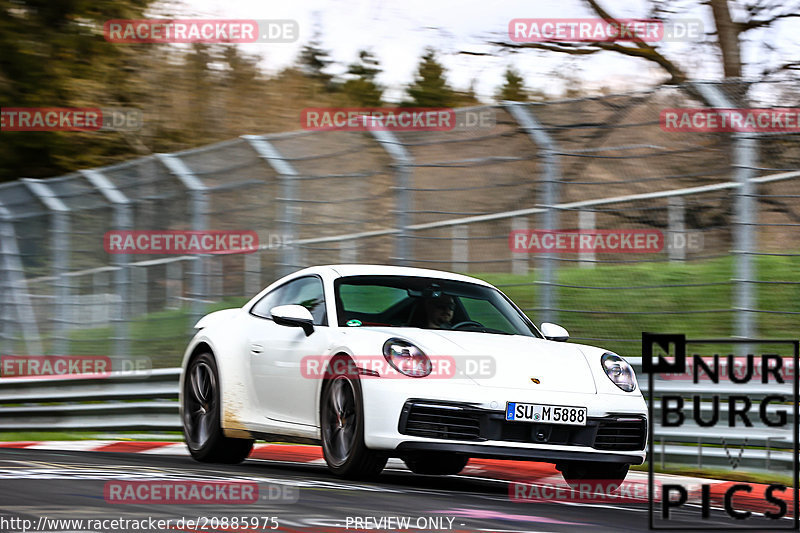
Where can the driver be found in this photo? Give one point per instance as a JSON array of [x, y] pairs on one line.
[[439, 312]]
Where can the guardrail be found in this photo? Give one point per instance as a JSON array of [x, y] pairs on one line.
[[115, 403], [148, 401]]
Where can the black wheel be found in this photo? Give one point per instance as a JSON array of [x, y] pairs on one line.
[[201, 415], [603, 473], [436, 464], [342, 421]]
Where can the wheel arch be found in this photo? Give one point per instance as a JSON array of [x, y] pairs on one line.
[[229, 419], [338, 354]]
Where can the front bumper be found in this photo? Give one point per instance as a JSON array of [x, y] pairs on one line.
[[452, 421], [386, 409]]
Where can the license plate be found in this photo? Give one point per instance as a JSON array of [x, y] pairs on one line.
[[547, 414]]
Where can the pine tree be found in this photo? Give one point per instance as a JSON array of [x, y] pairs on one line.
[[430, 88], [514, 87], [362, 89], [313, 59]]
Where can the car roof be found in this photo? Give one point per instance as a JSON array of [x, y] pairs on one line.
[[388, 270]]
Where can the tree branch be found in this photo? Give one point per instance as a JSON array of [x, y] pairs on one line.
[[753, 24], [642, 49]]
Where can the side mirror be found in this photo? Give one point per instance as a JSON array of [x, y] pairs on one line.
[[294, 316], [554, 332]]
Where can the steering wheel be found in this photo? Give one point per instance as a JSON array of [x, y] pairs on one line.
[[467, 323]]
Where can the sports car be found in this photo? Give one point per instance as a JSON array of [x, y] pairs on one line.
[[431, 367]]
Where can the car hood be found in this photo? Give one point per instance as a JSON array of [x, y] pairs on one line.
[[514, 361]]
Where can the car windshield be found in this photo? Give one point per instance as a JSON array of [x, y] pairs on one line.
[[428, 303]]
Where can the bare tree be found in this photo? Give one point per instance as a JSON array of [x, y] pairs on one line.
[[727, 37]]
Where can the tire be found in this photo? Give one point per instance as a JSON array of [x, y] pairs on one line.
[[201, 416], [342, 428], [604, 473], [436, 464]]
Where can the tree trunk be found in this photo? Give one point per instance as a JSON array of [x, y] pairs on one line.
[[728, 38]]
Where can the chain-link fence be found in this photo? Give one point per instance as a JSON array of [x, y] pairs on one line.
[[725, 204]]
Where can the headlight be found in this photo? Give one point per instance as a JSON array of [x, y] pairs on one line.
[[407, 358], [619, 371]]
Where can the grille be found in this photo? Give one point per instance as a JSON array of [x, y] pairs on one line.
[[622, 435], [440, 422]]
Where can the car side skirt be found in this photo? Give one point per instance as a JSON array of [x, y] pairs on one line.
[[275, 437]]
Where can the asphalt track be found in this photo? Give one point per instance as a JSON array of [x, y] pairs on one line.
[[70, 485]]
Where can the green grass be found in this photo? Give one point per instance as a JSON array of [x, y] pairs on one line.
[[20, 436], [161, 336], [697, 311]]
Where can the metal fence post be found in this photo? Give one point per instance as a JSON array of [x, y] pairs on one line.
[[587, 221], [676, 226], [745, 155], [348, 252], [15, 291], [403, 163], [550, 177], [252, 273], [139, 283], [287, 175], [199, 201], [60, 246], [122, 221], [460, 247], [519, 261]]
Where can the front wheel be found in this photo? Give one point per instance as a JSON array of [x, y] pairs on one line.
[[436, 464], [342, 421], [201, 415]]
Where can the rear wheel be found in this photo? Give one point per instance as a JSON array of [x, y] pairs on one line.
[[201, 415], [602, 473], [342, 421], [436, 464]]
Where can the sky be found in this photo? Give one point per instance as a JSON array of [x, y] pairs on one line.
[[398, 31]]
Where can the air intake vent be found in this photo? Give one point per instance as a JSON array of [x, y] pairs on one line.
[[621, 435], [442, 422]]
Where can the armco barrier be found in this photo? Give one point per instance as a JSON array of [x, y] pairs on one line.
[[123, 401]]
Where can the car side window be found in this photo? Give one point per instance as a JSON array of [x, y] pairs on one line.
[[309, 293], [306, 291], [270, 300]]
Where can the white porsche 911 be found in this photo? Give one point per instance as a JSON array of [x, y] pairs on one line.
[[375, 362]]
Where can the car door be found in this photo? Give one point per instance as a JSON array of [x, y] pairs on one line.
[[282, 393]]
